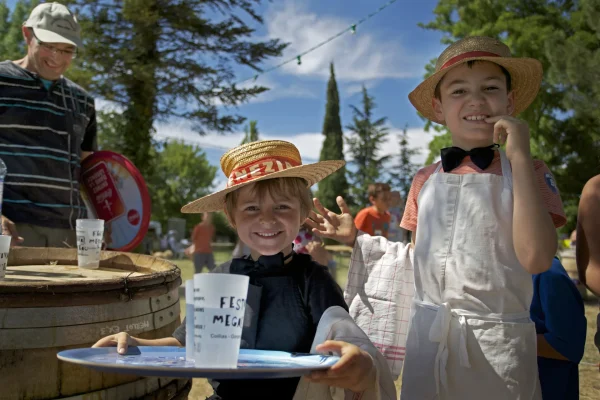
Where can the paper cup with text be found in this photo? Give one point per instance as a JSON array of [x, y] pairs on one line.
[[4, 249], [90, 233], [219, 305]]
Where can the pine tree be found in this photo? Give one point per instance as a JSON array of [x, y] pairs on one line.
[[163, 59], [251, 133], [403, 171], [364, 146], [333, 148]]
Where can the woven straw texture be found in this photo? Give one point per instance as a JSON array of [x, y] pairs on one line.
[[526, 73], [249, 153]]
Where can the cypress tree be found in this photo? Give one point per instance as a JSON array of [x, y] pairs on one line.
[[333, 148]]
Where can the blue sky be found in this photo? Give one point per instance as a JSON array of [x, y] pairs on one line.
[[388, 54]]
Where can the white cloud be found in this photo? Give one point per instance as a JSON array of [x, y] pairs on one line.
[[354, 88], [278, 91], [309, 144], [106, 105], [358, 57]]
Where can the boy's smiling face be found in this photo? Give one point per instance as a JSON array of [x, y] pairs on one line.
[[268, 224], [468, 95]]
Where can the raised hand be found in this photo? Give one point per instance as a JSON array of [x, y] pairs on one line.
[[339, 227], [514, 132]]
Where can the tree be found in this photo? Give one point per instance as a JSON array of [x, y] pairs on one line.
[[182, 174], [563, 35], [404, 170], [169, 59], [438, 143], [251, 133], [333, 147], [364, 144], [12, 44]]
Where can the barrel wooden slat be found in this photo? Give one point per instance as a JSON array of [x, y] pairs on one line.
[[13, 318], [48, 304]]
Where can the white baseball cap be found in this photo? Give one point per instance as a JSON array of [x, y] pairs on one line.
[[54, 23]]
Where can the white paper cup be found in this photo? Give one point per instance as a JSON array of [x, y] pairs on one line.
[[219, 305], [4, 249], [189, 320], [90, 233]]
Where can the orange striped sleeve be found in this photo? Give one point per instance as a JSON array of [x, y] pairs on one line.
[[550, 193], [409, 219]]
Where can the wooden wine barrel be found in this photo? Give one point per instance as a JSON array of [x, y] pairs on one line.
[[48, 304]]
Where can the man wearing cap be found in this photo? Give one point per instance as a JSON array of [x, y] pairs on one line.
[[47, 127]]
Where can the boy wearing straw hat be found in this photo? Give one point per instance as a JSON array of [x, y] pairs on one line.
[[267, 198], [484, 221]]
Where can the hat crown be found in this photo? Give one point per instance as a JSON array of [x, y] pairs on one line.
[[249, 153], [471, 44], [54, 17]]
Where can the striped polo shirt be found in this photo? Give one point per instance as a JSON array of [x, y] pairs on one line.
[[42, 134]]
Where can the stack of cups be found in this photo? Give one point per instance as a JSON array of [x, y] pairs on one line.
[[4, 249], [217, 320], [90, 233]]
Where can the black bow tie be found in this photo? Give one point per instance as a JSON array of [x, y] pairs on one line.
[[481, 156], [247, 266]]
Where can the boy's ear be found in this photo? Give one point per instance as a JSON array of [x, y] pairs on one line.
[[511, 102], [437, 109], [372, 199]]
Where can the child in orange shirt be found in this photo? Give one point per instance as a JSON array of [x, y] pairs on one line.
[[375, 220]]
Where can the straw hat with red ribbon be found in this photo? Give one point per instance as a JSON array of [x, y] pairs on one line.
[[525, 73], [258, 161]]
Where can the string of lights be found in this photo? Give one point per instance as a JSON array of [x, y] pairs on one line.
[[298, 57]]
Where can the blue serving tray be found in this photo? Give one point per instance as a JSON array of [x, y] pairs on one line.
[[170, 361]]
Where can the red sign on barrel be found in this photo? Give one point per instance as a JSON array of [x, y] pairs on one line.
[[115, 191]]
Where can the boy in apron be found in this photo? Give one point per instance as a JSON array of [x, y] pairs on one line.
[[484, 221]]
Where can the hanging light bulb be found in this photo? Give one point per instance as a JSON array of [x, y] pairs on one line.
[[255, 77], [299, 60], [353, 29]]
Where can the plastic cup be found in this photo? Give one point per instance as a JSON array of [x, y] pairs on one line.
[[219, 305], [90, 233], [189, 320], [4, 249]]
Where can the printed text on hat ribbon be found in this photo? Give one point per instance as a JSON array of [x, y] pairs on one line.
[[260, 168]]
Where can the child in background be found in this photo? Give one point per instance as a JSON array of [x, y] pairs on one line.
[[375, 220], [202, 238], [266, 200], [559, 316]]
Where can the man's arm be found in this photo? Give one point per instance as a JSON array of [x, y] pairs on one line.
[[588, 236]]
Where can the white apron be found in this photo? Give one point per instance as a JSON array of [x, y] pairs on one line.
[[470, 335]]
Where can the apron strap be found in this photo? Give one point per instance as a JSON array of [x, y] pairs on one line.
[[440, 329]]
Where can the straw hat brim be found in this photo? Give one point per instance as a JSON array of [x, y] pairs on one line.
[[311, 173], [526, 78]]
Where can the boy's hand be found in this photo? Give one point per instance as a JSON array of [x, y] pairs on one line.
[[328, 224], [514, 132], [122, 340], [354, 371]]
